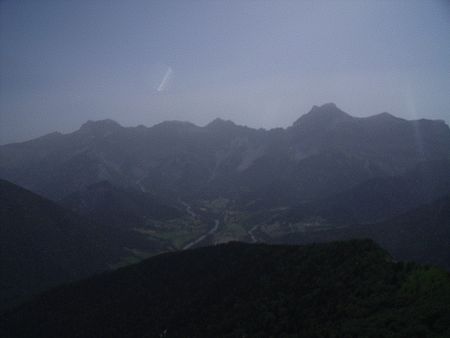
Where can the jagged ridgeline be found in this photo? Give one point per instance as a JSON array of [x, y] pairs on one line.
[[341, 289], [324, 152]]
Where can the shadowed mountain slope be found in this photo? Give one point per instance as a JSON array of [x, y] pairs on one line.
[[43, 245], [127, 208], [379, 198], [421, 235]]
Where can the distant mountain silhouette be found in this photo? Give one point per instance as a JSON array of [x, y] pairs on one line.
[[348, 289], [325, 117], [324, 152], [100, 128], [220, 124]]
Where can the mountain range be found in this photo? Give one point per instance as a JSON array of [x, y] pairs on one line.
[[106, 196], [324, 152]]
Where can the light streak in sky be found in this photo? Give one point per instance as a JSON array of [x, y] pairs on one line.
[[166, 80]]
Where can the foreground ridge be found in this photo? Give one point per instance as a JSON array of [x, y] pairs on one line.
[[350, 289]]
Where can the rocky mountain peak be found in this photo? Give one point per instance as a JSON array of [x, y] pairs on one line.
[[100, 126], [219, 123], [322, 116], [385, 117]]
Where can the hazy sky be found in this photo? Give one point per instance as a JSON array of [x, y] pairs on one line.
[[258, 63]]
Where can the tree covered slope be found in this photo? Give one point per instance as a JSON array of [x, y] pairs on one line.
[[340, 289]]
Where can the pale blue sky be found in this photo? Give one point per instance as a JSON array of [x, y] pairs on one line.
[[258, 63]]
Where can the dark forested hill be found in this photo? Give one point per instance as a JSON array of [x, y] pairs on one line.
[[342, 289], [43, 245]]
